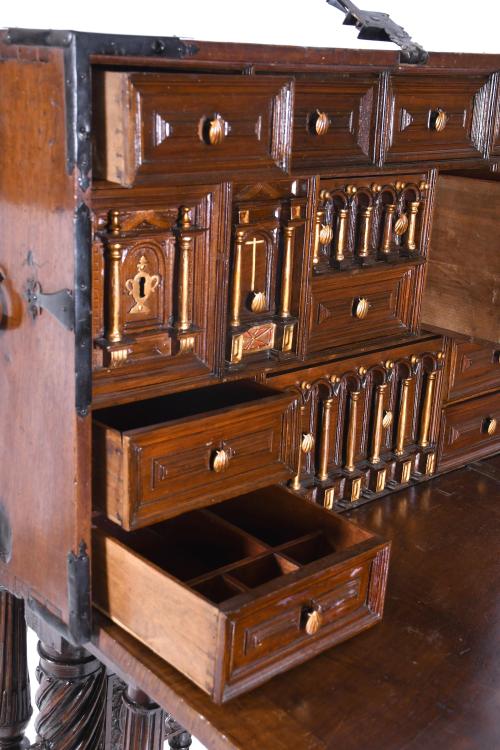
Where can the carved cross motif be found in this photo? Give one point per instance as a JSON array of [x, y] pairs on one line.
[[253, 243]]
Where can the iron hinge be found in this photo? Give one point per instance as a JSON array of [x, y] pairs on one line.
[[59, 304]]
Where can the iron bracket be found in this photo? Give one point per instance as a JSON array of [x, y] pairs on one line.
[[59, 304], [379, 27]]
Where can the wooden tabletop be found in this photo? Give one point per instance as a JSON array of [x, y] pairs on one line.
[[427, 677]]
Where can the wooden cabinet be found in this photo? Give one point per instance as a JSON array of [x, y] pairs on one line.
[[284, 581], [211, 287]]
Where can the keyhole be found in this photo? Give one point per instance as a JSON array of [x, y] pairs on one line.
[[142, 285]]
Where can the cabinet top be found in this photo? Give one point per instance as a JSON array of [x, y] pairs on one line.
[[162, 51]]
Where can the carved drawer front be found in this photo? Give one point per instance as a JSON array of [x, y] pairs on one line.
[[333, 122], [268, 273], [435, 118], [233, 595], [155, 280], [470, 430], [368, 424], [474, 368], [158, 458], [365, 222], [354, 307], [170, 125]]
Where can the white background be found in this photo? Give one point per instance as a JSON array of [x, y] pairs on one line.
[[445, 25]]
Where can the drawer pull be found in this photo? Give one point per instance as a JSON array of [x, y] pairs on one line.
[[220, 460], [213, 130], [360, 308], [258, 302], [490, 426], [387, 419], [319, 123], [438, 120], [401, 225], [313, 621]]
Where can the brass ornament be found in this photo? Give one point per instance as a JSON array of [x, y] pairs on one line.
[[141, 287], [401, 225], [220, 461], [360, 308]]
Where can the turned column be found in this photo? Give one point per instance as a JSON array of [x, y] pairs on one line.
[[15, 698], [142, 722], [71, 699]]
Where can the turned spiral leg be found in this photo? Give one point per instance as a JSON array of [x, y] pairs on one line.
[[71, 699], [15, 699]]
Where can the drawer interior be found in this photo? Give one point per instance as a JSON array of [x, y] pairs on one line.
[[165, 409], [242, 544]]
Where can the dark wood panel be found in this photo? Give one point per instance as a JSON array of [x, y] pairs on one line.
[[462, 292], [474, 368]]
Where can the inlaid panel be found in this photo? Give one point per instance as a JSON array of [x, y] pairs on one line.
[[154, 288], [268, 276]]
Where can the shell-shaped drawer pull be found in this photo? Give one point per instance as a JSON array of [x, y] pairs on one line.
[[325, 234], [220, 460], [401, 225], [387, 419], [438, 120], [214, 130], [313, 620], [360, 308], [319, 123], [307, 443], [258, 303], [490, 426]]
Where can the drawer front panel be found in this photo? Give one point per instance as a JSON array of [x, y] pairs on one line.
[[475, 368], [282, 624], [470, 430], [172, 125], [434, 118], [354, 308], [333, 122]]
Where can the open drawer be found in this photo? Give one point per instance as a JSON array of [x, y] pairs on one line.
[[157, 458], [236, 594]]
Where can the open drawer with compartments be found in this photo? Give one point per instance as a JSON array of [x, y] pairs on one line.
[[233, 595]]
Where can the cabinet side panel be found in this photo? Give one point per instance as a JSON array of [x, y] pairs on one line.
[[462, 293], [44, 451]]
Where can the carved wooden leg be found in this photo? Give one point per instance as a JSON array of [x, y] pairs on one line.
[[15, 696], [178, 737], [143, 722], [71, 699]]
